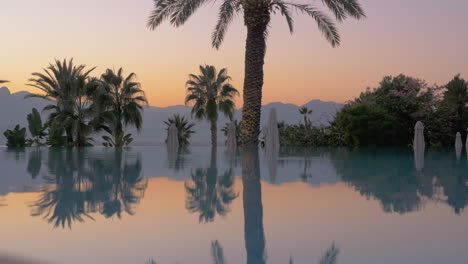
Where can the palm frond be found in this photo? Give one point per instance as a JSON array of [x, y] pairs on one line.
[[324, 23], [227, 11]]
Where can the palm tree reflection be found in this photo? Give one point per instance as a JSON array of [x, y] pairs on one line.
[[217, 253], [329, 257], [210, 194], [253, 208], [82, 184]]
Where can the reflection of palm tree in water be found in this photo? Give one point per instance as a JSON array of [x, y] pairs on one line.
[[217, 253], [329, 257], [35, 162], [117, 186], [84, 185], [253, 208], [209, 194]]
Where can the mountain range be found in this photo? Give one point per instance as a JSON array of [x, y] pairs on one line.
[[14, 108]]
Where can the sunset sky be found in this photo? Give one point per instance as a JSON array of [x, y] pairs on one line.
[[423, 38]]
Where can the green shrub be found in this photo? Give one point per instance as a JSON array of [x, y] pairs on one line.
[[16, 137]]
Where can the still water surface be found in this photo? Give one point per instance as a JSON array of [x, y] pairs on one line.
[[207, 206]]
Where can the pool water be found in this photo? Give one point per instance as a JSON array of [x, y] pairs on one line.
[[203, 205]]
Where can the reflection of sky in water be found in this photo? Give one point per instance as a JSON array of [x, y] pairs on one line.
[[97, 206]]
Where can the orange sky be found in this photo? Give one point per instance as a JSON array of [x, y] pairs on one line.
[[422, 38]]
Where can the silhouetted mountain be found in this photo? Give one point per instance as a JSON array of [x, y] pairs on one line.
[[14, 108]]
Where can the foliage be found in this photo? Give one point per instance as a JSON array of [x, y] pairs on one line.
[[69, 87], [178, 12], [365, 125], [119, 101], [184, 128], [118, 141], [208, 93], [387, 114], [36, 128], [454, 105], [3, 81], [16, 138], [307, 136], [56, 137]]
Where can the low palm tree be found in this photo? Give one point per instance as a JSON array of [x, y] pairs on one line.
[[257, 15], [209, 93], [69, 87], [36, 128], [119, 100], [305, 111], [184, 128]]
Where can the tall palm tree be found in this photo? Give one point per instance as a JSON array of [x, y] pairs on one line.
[[69, 87], [257, 14], [304, 111], [120, 100], [184, 128], [209, 93]]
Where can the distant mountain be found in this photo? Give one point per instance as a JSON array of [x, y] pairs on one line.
[[14, 108]]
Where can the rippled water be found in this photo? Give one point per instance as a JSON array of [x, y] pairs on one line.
[[205, 206]]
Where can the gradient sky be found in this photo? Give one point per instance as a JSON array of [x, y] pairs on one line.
[[423, 38]]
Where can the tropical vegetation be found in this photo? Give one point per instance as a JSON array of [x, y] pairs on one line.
[[386, 115], [210, 93], [257, 16], [184, 128], [16, 138], [118, 102], [81, 105], [36, 128]]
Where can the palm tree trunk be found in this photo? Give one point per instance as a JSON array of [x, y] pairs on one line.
[[253, 81], [214, 134], [69, 132]]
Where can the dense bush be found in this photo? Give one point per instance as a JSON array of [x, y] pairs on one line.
[[307, 136], [386, 115], [364, 125], [16, 138]]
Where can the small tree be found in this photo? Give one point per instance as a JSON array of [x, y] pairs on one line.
[[184, 128], [304, 111], [36, 128], [16, 138]]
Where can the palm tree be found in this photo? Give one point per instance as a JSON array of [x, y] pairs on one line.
[[257, 20], [35, 126], [184, 128], [69, 86], [305, 112], [209, 93], [120, 100]]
